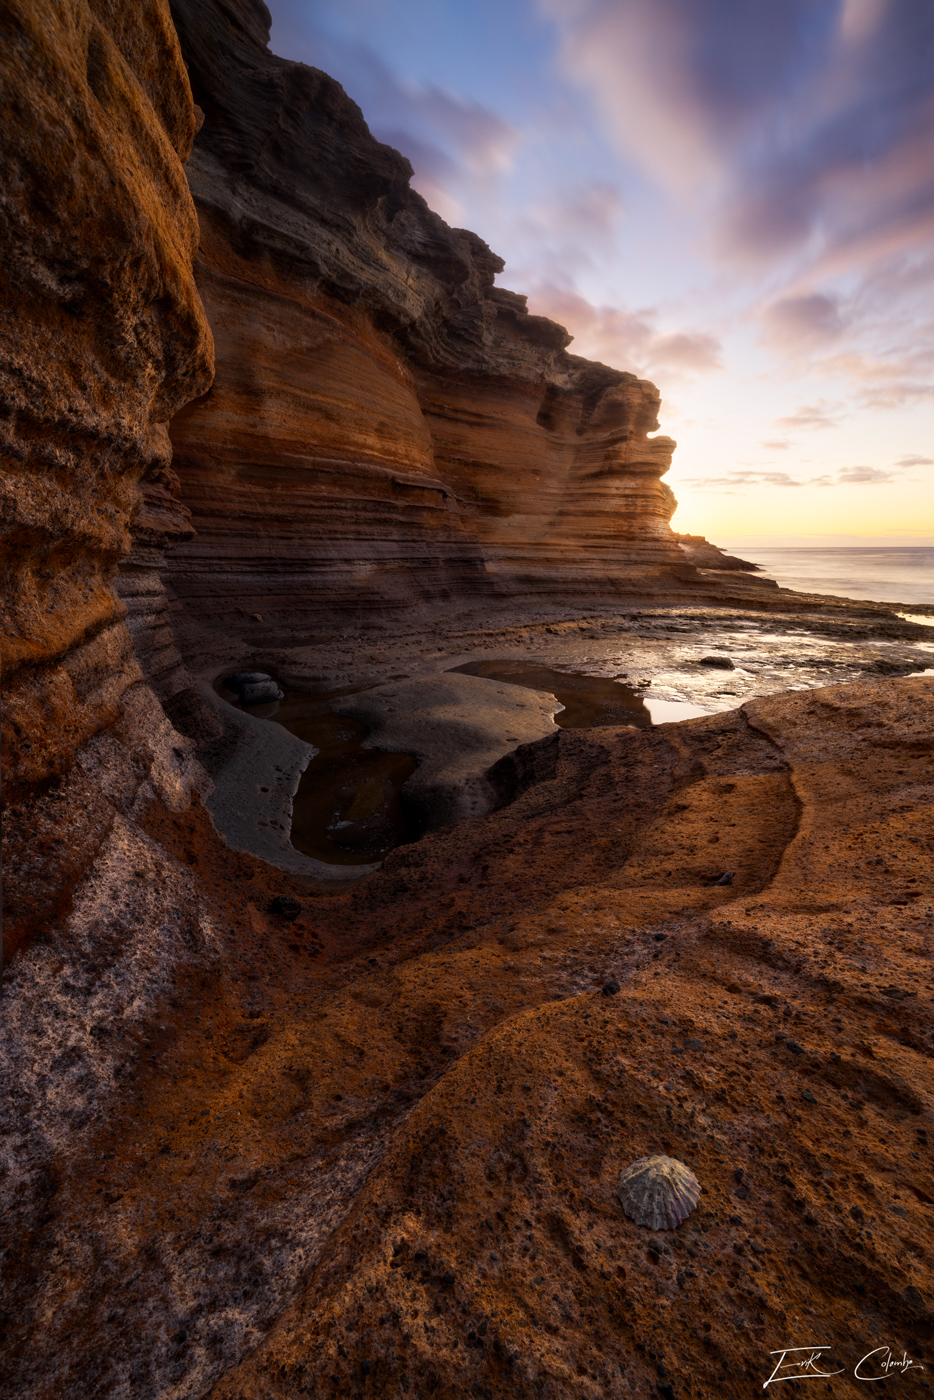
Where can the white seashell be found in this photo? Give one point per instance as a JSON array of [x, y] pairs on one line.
[[659, 1192]]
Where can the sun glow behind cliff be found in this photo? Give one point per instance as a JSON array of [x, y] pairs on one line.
[[736, 201]]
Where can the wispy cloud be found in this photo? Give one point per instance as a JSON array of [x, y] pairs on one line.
[[915, 461], [736, 482], [817, 415], [888, 380], [805, 121], [800, 133], [568, 231], [731, 483], [803, 322], [627, 338], [778, 445], [864, 476]]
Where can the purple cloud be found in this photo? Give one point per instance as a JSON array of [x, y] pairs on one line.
[[802, 322], [626, 339], [681, 82], [806, 123]]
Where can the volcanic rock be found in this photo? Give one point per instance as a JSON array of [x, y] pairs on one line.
[[392, 1130], [386, 427], [237, 681], [720, 663], [104, 339], [705, 555], [457, 727], [260, 692]]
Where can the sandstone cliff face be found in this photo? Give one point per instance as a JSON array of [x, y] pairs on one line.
[[385, 425], [103, 339]]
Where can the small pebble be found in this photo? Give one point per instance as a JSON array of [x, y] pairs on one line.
[[610, 989]]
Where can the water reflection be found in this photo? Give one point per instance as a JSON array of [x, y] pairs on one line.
[[347, 809], [673, 711]]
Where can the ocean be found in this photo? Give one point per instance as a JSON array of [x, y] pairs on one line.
[[882, 575]]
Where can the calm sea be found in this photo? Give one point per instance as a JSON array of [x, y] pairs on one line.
[[883, 575]]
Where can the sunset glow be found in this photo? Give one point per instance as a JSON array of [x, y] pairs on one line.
[[736, 202]]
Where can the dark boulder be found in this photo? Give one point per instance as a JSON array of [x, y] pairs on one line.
[[720, 663]]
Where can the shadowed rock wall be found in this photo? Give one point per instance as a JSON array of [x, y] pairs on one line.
[[386, 426], [103, 340]]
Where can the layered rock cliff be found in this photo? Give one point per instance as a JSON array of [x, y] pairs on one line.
[[103, 339], [386, 425]]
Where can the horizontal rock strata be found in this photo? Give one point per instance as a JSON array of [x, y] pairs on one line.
[[386, 426], [103, 339]]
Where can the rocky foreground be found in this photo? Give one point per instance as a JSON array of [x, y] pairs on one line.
[[375, 1150]]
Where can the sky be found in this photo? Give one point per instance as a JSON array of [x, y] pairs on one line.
[[732, 198]]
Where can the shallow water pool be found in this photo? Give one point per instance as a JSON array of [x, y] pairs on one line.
[[349, 808], [346, 810]]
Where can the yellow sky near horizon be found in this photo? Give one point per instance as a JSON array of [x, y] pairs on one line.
[[731, 201], [864, 475]]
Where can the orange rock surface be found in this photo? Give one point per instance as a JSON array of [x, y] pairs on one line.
[[375, 1151], [104, 338]]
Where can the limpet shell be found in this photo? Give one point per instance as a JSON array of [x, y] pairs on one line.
[[659, 1192]]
